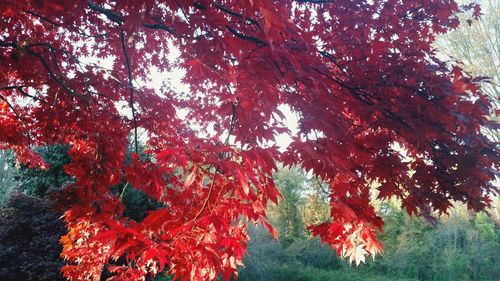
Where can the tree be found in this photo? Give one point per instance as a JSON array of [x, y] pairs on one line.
[[475, 44], [361, 76], [286, 216], [315, 210], [7, 182], [42, 183], [462, 246]]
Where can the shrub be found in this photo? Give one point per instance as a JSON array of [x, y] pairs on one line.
[[29, 235]]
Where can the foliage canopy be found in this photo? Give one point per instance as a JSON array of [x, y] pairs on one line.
[[361, 75]]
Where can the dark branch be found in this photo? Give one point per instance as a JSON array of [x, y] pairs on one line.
[[234, 14], [59, 25], [8, 44], [246, 37], [315, 1], [131, 86], [112, 16], [231, 124], [221, 7], [54, 49], [333, 59], [18, 116], [23, 92], [160, 27], [53, 76], [200, 6], [43, 18], [115, 17]]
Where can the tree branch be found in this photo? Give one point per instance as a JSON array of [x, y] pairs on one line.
[[205, 203], [231, 124], [43, 18], [12, 108], [333, 59], [246, 37], [159, 26], [234, 14], [53, 76], [117, 18], [8, 44], [112, 16], [315, 1], [23, 92], [227, 11], [59, 25], [131, 86]]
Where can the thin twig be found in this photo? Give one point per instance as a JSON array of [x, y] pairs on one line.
[[13, 109], [159, 26], [123, 191], [320, 185], [8, 44], [205, 203]]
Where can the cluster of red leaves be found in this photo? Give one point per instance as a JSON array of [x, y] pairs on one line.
[[362, 76]]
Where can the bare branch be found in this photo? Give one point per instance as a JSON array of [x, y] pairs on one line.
[[205, 203], [234, 14], [43, 18]]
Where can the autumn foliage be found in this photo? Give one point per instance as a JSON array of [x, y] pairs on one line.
[[374, 102]]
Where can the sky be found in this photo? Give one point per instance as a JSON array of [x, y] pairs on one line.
[[173, 79]]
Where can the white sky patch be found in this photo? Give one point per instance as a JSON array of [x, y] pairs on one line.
[[291, 121]]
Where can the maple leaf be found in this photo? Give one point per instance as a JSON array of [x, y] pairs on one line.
[[357, 74]]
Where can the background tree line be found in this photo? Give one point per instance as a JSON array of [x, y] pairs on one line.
[[462, 246]]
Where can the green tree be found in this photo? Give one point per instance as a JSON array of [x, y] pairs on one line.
[[39, 182], [7, 182], [462, 246], [410, 257], [287, 216], [315, 210], [476, 44], [264, 256]]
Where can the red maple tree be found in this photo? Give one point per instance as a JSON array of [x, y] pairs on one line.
[[374, 103]]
